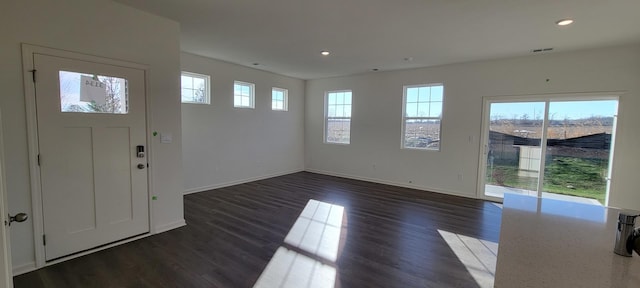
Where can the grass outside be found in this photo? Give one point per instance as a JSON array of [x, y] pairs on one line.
[[563, 175]]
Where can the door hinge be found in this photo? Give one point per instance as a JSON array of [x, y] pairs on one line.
[[38, 159], [33, 74], [44, 239]]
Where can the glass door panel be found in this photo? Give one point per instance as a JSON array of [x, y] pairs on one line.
[[513, 151], [579, 135]]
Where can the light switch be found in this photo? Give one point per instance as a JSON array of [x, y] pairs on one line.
[[166, 138]]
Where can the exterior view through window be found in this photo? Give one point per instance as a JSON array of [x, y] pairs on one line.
[[195, 88], [338, 117], [243, 95], [575, 137], [422, 114], [88, 93], [279, 99]]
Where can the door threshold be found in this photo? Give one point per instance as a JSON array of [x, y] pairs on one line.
[[93, 250]]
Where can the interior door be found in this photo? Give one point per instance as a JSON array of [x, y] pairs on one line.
[[92, 137]]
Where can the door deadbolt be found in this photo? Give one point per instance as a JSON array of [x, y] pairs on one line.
[[140, 151], [20, 217], [140, 166]]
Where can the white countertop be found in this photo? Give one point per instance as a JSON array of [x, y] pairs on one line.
[[552, 243]]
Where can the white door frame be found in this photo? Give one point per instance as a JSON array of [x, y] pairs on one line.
[[484, 136], [32, 135], [6, 275]]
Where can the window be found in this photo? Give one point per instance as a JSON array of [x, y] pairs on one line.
[[195, 88], [279, 99], [91, 93], [243, 95], [338, 117], [422, 113]]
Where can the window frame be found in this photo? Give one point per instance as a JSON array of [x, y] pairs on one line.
[[327, 118], [405, 117], [252, 94], [207, 87], [285, 99]]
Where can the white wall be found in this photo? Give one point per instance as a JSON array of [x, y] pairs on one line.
[[223, 145], [105, 29], [377, 110]]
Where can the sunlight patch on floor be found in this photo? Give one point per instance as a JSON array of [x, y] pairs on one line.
[[307, 257], [290, 269], [478, 256], [317, 230]]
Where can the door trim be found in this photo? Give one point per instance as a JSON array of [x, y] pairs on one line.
[[486, 104], [28, 52]]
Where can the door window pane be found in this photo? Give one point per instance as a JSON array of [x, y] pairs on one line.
[[91, 93], [513, 152], [578, 150]]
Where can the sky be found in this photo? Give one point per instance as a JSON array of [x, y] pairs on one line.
[[557, 110]]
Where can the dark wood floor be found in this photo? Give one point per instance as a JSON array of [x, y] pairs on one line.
[[392, 238]]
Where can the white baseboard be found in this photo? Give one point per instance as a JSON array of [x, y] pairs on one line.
[[24, 268], [241, 181], [392, 183], [169, 226]]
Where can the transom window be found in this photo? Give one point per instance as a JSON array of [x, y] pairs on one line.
[[279, 99], [243, 95], [338, 117], [422, 114], [195, 88]]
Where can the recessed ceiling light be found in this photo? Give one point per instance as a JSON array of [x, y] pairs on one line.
[[325, 53], [564, 22]]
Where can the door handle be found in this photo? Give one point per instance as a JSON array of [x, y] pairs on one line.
[[20, 217], [140, 166]]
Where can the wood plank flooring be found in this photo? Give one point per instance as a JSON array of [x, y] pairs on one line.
[[393, 238]]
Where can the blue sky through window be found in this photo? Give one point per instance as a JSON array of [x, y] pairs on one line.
[[557, 110]]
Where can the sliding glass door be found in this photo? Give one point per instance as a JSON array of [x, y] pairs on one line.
[[513, 150], [575, 134]]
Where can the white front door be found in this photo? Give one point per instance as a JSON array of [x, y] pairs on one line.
[[5, 248], [91, 125]]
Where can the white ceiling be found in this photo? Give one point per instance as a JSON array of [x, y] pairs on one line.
[[286, 36]]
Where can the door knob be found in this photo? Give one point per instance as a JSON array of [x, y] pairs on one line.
[[20, 217], [140, 166]]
